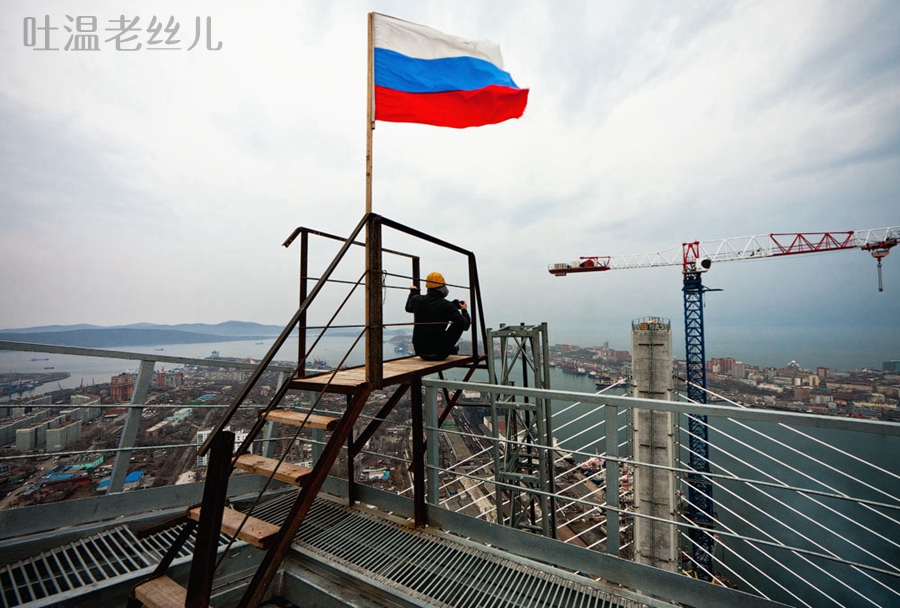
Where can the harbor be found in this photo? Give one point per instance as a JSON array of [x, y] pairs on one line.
[[16, 383]]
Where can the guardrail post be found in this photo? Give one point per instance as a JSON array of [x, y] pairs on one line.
[[374, 312], [304, 292], [272, 428], [130, 428], [418, 453], [432, 445], [215, 491], [612, 479], [318, 436], [351, 469]]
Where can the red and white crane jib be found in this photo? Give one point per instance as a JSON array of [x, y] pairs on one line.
[[877, 241]]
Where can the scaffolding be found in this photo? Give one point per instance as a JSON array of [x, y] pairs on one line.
[[522, 429]]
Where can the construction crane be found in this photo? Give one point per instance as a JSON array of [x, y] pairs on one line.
[[696, 258]]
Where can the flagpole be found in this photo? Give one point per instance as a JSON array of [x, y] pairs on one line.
[[370, 117], [374, 313]]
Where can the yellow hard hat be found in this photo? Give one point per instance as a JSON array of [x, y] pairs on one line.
[[435, 279]]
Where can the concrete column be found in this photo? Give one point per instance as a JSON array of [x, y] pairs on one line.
[[656, 543]]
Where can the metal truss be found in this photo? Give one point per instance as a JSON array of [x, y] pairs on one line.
[[522, 430]]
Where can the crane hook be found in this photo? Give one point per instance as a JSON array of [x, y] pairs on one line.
[[879, 251]]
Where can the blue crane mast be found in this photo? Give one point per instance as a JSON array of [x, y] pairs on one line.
[[700, 503]]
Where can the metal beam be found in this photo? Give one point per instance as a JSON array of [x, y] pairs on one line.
[[418, 449], [203, 565], [130, 428], [374, 308], [380, 417], [525, 470], [751, 414], [78, 351], [100, 511], [432, 444], [612, 480]]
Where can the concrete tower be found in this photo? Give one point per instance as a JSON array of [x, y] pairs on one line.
[[656, 543]]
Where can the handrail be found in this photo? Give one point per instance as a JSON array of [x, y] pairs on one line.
[[769, 546], [285, 334], [879, 427], [80, 351]]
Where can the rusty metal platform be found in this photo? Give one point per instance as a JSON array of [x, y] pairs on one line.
[[396, 371]]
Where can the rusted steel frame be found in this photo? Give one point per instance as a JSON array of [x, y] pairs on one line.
[[256, 591], [474, 290], [476, 295], [387, 274], [260, 421], [423, 236], [403, 276], [420, 517], [285, 334], [299, 230], [301, 323], [451, 401], [215, 490], [374, 308], [171, 552], [351, 473], [416, 271], [276, 399], [328, 325], [357, 446]]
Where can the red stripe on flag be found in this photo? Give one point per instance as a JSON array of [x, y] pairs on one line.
[[458, 109]]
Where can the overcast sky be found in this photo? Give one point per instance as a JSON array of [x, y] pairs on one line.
[[144, 186]]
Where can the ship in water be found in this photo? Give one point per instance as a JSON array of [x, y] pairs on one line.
[[572, 367]]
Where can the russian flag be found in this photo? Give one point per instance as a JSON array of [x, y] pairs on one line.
[[425, 76]]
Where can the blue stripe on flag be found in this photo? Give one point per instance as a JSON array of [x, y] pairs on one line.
[[396, 71]]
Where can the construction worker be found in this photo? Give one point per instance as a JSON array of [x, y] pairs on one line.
[[439, 323]]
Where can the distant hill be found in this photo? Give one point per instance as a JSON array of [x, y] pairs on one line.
[[151, 334], [114, 337], [228, 328], [140, 334], [46, 328]]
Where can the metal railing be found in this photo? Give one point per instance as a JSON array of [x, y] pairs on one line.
[[807, 506]]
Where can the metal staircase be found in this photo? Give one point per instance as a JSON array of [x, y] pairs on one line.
[[214, 517]]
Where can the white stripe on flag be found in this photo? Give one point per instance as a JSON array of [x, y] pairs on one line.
[[423, 42]]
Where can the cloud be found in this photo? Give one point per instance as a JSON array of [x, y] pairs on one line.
[[159, 187]]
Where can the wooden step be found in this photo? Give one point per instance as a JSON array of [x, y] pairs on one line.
[[257, 532], [161, 592], [315, 421], [287, 472]]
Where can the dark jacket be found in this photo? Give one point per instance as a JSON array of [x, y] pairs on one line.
[[447, 323]]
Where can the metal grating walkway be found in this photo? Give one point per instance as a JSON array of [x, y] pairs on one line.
[[435, 570], [85, 565]]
